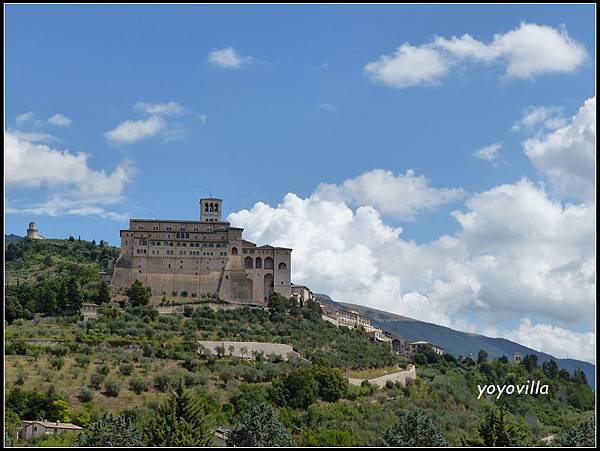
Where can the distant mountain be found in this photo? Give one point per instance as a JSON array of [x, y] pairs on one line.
[[456, 342], [12, 239]]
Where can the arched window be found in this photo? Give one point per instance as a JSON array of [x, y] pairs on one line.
[[212, 207], [248, 263], [268, 263], [282, 265], [258, 263], [234, 251], [216, 207]]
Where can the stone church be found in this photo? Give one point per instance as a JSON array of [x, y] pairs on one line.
[[196, 258]]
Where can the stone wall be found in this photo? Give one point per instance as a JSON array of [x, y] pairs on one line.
[[280, 349], [401, 376]]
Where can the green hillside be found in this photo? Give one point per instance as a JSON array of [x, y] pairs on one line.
[[461, 343], [144, 371]]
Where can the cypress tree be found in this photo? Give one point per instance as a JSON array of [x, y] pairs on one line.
[[182, 420]]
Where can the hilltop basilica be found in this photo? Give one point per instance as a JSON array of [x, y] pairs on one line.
[[199, 258]]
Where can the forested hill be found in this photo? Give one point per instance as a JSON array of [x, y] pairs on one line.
[[147, 371], [457, 342]]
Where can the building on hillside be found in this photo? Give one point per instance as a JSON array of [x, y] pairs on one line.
[[89, 310], [378, 335], [197, 258], [417, 346], [346, 318], [221, 437], [32, 232], [399, 345], [302, 294], [35, 428]]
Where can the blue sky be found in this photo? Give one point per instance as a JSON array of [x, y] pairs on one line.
[[297, 108]]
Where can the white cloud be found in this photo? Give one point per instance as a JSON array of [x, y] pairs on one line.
[[567, 155], [526, 51], [409, 66], [555, 340], [59, 120], [130, 132], [166, 109], [489, 153], [228, 58], [518, 254], [74, 186], [401, 196], [546, 117], [25, 118]]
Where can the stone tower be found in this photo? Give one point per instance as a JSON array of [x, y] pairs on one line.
[[517, 359], [210, 209], [32, 232]]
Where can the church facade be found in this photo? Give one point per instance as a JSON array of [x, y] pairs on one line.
[[196, 258]]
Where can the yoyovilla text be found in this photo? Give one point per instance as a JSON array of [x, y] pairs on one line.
[[529, 388]]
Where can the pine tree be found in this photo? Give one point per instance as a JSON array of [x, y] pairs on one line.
[[111, 432], [183, 420], [579, 436], [260, 427], [414, 428], [496, 430]]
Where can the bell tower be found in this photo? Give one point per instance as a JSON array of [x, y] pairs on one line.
[[210, 209]]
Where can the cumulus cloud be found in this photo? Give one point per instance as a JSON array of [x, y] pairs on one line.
[[409, 66], [489, 153], [59, 120], [130, 132], [567, 155], [555, 340], [228, 58], [401, 196], [526, 52], [73, 184], [518, 254]]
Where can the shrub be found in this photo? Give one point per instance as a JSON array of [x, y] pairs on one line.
[[96, 380], [56, 362], [112, 388], [86, 394], [126, 369], [104, 370], [193, 379], [82, 360], [161, 382], [59, 351], [138, 385]]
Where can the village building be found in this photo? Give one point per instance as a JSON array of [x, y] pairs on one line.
[[399, 345], [89, 310], [198, 258], [302, 294], [35, 428], [417, 346]]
